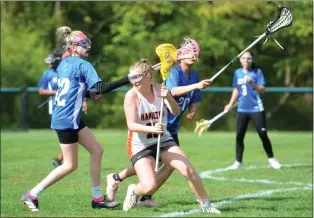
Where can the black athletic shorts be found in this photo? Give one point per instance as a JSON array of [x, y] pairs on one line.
[[69, 136], [152, 150], [176, 139]]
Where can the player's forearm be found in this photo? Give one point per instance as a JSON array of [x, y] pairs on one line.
[[172, 105], [136, 127], [234, 96], [258, 88], [182, 90], [104, 87], [46, 92]]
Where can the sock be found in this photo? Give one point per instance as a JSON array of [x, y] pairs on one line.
[[145, 197], [36, 191], [117, 177], [97, 194]]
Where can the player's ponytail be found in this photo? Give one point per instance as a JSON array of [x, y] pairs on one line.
[[62, 34]]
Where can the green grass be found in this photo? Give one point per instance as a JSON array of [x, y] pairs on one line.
[[26, 159]]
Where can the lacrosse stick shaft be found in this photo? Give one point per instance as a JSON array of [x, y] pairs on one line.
[[237, 57], [159, 135], [222, 113], [45, 102], [156, 66]]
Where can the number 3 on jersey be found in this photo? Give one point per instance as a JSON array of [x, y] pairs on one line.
[[64, 85], [244, 90]]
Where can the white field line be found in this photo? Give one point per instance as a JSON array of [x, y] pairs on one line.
[[232, 200], [207, 174]]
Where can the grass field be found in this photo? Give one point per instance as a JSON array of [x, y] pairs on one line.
[[253, 191]]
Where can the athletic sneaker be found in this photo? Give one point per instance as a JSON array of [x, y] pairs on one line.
[[147, 202], [112, 187], [104, 204], [234, 166], [130, 198], [208, 208], [30, 202], [56, 162], [274, 163]]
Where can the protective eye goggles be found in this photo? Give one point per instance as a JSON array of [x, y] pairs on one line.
[[85, 43], [136, 78], [247, 59]]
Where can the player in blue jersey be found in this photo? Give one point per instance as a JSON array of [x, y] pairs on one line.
[[249, 83], [48, 85], [184, 85], [75, 77]]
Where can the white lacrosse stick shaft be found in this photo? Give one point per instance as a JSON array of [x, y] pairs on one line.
[[159, 135], [237, 57], [156, 66], [211, 121], [221, 114]]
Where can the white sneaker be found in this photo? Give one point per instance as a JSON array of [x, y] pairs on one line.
[[207, 207], [130, 198], [234, 166], [112, 187], [274, 163]]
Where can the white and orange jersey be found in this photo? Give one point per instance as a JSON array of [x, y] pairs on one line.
[[147, 114]]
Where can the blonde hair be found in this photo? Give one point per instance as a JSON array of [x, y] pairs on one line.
[[143, 66]]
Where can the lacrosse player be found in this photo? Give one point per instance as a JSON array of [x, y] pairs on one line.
[[249, 83], [75, 77], [184, 85], [142, 106], [48, 85]]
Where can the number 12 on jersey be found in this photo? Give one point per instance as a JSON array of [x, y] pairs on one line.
[[64, 85]]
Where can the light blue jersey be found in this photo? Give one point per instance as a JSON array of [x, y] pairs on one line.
[[75, 77], [178, 78], [49, 81], [249, 99]]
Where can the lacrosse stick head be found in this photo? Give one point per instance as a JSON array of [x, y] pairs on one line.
[[201, 125], [167, 54], [189, 49], [284, 19]]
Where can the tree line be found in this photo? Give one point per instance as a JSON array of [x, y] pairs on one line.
[[124, 32]]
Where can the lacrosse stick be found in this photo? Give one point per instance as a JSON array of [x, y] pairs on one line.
[[284, 19], [45, 102], [167, 54], [205, 124]]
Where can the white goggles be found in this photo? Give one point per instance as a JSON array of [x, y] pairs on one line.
[[135, 77]]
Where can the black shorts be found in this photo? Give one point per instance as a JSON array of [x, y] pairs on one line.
[[176, 139], [69, 136], [152, 150]]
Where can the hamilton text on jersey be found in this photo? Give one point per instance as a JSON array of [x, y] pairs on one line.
[[150, 115]]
